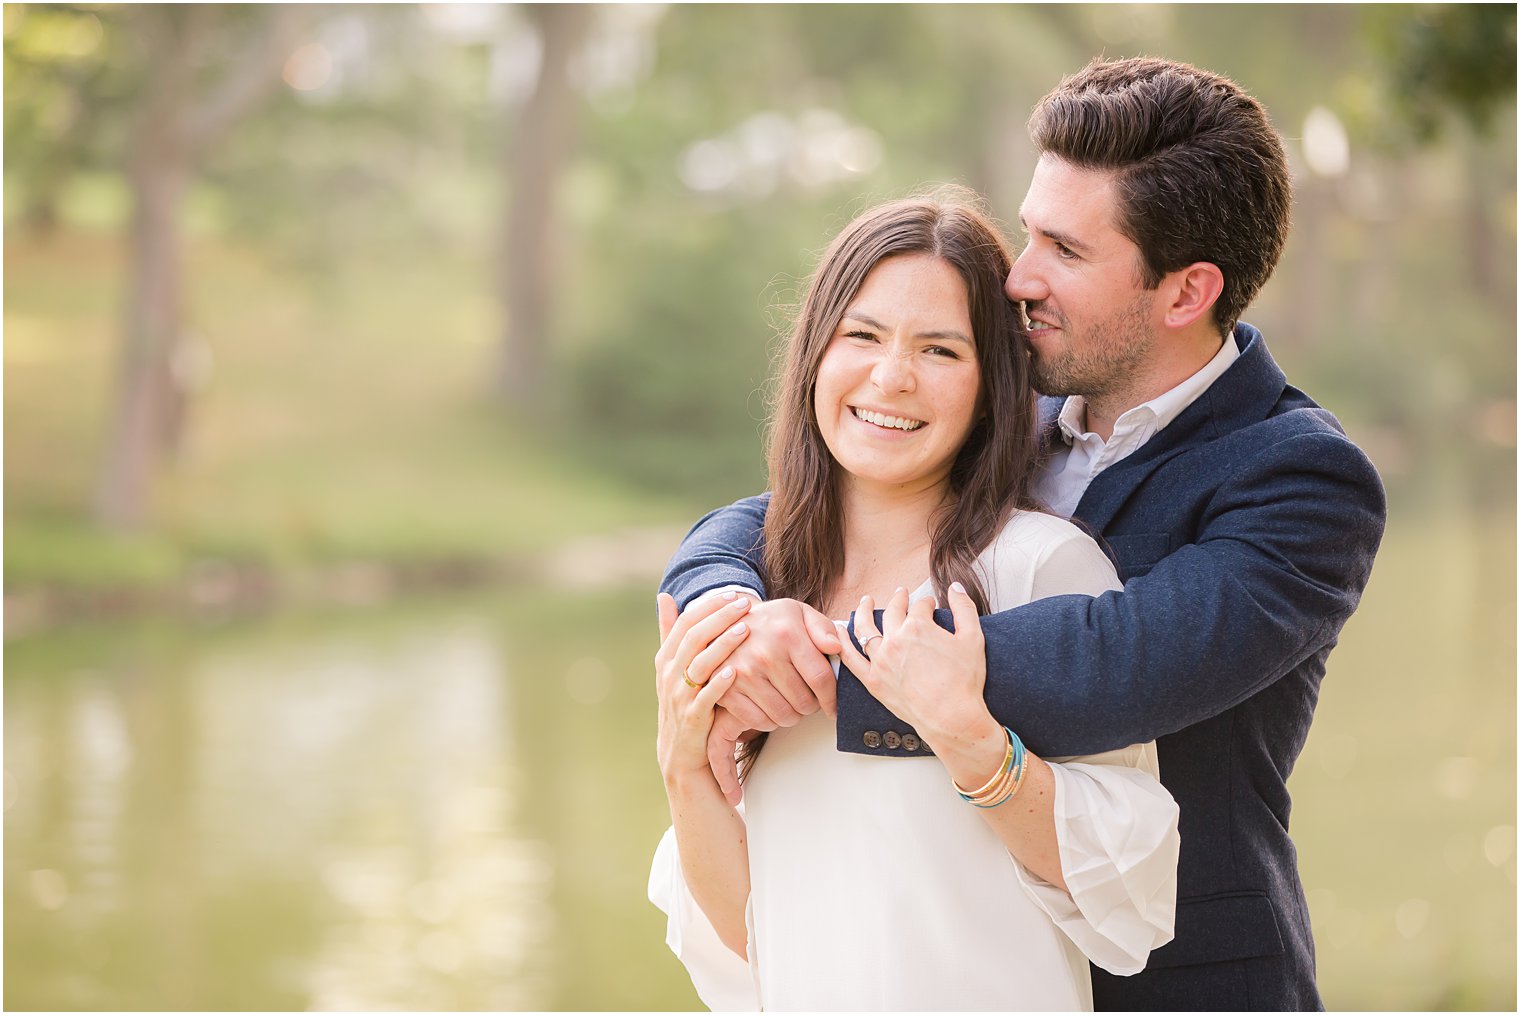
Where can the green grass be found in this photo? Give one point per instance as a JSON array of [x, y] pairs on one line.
[[345, 415]]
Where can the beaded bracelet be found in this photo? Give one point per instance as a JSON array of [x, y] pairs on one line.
[[1005, 783]]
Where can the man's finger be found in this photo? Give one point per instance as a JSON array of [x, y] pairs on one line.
[[963, 609], [720, 754], [818, 674], [749, 715], [822, 630]]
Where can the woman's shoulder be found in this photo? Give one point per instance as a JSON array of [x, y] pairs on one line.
[[1037, 555], [1036, 530]]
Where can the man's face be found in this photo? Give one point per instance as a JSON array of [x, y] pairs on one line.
[[1092, 325]]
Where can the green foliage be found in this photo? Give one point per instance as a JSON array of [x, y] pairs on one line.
[[1445, 60]]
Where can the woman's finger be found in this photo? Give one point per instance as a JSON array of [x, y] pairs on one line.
[[701, 634], [968, 625], [666, 604], [707, 698], [694, 614], [865, 624], [853, 660], [895, 613], [715, 654]]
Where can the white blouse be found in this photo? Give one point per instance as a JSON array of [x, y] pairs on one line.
[[873, 886]]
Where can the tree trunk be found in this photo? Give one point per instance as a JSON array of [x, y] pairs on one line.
[[145, 392], [158, 173], [540, 147], [176, 126]]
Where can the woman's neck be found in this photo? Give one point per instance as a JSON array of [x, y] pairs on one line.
[[886, 540]]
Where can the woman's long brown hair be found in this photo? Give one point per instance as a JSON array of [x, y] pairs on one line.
[[804, 527]]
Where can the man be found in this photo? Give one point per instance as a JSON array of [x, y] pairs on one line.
[[1243, 521]]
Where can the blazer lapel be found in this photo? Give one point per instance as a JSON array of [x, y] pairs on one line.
[[1243, 394]]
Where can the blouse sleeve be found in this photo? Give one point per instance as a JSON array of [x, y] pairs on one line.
[[722, 979], [1116, 825]]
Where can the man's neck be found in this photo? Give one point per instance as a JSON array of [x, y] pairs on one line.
[[1103, 409]]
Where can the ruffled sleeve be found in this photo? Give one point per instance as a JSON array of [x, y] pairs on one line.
[[1117, 830], [722, 979]]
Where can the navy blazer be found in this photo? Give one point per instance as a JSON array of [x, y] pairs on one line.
[[1244, 533]]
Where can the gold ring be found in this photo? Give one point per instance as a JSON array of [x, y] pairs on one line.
[[689, 682]]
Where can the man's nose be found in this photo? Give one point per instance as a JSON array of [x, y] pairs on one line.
[[1024, 283]]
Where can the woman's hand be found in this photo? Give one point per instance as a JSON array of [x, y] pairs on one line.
[[929, 677], [692, 645]]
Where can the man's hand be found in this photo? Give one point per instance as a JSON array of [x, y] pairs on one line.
[[783, 674], [783, 667]]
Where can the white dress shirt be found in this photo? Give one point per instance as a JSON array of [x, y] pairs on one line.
[[1066, 475]]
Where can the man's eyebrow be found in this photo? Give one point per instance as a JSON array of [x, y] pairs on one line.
[[938, 336], [1065, 239]]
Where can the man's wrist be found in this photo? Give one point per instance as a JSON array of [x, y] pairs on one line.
[[746, 590]]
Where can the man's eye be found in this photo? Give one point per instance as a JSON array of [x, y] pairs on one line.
[[1065, 253]]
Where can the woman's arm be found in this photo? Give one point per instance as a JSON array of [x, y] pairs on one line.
[[710, 834], [933, 679]]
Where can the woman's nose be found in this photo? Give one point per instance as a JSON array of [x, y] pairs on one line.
[[893, 371]]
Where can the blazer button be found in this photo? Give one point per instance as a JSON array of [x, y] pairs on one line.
[[872, 739], [910, 742], [891, 739]]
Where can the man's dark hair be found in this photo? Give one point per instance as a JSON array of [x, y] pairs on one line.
[[1201, 175]]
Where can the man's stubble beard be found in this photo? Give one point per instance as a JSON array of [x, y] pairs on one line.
[[1109, 361]]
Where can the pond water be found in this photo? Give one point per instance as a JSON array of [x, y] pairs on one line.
[[451, 804]]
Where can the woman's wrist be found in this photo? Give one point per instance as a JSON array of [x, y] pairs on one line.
[[688, 783], [971, 751]]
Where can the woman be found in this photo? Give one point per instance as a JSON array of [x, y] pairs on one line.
[[976, 876]]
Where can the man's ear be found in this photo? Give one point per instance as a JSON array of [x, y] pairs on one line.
[[1193, 291]]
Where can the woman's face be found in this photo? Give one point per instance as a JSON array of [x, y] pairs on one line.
[[898, 386]]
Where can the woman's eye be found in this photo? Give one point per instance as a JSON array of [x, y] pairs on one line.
[[865, 335], [939, 350]]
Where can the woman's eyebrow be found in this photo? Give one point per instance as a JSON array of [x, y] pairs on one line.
[[941, 336]]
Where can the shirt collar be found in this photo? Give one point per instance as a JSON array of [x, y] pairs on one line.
[[1160, 410]]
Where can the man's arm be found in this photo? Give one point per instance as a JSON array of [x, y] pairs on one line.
[[1278, 565], [1281, 556], [785, 674], [722, 549]]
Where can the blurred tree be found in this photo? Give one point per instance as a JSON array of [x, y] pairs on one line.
[[540, 148], [1447, 61], [201, 77], [65, 80]]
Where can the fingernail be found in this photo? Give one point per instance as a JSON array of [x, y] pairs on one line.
[[738, 629], [730, 594], [957, 587], [725, 673], [740, 604]]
